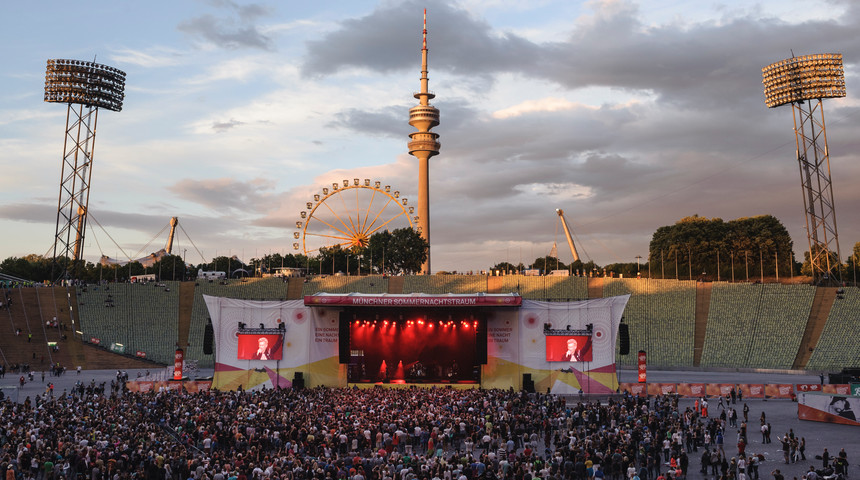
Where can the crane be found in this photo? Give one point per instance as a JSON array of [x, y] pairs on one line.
[[560, 213]]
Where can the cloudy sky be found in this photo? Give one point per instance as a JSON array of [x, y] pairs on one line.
[[628, 115]]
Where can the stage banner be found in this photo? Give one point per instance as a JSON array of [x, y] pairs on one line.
[[822, 407], [751, 390], [807, 387], [692, 390], [642, 376], [309, 345], [597, 376], [503, 350], [661, 388], [720, 389], [779, 390], [838, 388], [634, 389]]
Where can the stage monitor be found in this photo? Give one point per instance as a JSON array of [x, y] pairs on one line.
[[568, 348], [260, 346]]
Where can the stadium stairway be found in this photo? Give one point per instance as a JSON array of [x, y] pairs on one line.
[[703, 304], [294, 288], [494, 284], [821, 305], [595, 287], [395, 284], [186, 305]]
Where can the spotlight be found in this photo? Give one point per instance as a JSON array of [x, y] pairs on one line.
[[281, 326], [262, 326], [546, 327], [589, 327], [241, 326], [567, 327]]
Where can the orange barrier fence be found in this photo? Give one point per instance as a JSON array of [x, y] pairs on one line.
[[748, 390], [157, 386]]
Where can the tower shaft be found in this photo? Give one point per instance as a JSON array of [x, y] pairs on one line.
[[424, 144]]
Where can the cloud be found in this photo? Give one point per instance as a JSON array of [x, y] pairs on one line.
[[232, 33], [226, 194]]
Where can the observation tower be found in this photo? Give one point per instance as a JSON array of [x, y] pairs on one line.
[[83, 87], [803, 82], [424, 144]]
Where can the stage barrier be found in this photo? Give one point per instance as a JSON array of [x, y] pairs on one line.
[[752, 390], [157, 386]]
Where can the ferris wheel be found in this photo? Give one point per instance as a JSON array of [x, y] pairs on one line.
[[348, 213]]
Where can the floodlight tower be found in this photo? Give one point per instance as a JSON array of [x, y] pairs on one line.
[[803, 82], [83, 87], [424, 144]]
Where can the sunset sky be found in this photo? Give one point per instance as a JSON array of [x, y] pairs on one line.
[[627, 115]]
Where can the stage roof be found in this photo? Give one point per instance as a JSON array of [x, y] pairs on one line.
[[413, 300]]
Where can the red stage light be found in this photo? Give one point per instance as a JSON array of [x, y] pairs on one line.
[[420, 322], [385, 323]]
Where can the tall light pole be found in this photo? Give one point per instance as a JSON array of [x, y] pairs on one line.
[[803, 82], [84, 87], [638, 257]]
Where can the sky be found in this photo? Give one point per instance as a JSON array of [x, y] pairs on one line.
[[627, 115]]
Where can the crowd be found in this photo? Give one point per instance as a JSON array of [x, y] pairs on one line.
[[352, 434]]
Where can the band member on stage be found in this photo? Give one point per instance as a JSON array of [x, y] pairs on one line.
[[572, 354], [263, 352]]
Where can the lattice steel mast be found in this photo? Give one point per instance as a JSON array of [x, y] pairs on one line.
[[84, 87], [803, 82]]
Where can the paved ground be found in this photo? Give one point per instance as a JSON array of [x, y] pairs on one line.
[[782, 414]]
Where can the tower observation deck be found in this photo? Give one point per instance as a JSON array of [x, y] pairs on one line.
[[424, 144]]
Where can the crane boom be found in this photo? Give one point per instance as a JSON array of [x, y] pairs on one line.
[[560, 213]]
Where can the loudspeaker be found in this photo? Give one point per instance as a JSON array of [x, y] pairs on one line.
[[624, 339], [481, 343], [208, 339], [298, 381], [528, 383], [343, 337]]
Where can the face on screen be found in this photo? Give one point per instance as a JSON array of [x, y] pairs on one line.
[[259, 347], [568, 348]]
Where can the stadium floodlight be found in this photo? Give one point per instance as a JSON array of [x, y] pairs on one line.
[[84, 87], [803, 82], [798, 79]]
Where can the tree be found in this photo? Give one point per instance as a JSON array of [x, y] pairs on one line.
[[547, 264], [169, 267], [401, 251], [505, 267]]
